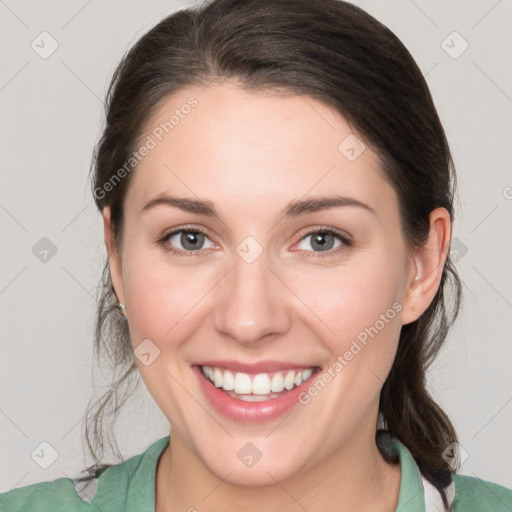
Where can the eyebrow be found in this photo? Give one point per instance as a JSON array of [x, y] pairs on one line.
[[292, 209]]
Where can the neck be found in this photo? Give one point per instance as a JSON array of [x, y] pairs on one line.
[[354, 478]]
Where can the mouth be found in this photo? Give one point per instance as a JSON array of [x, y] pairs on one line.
[[250, 395], [258, 387]]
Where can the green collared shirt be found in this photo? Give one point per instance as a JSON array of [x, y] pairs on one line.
[[130, 487]]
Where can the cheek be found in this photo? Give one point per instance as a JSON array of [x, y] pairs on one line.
[[164, 300], [352, 298], [356, 312], [165, 309]]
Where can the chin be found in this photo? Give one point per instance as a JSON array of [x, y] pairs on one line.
[[264, 469], [256, 477]]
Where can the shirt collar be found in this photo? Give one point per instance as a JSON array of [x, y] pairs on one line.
[[411, 497]]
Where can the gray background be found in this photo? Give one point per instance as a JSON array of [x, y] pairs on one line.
[[51, 117]]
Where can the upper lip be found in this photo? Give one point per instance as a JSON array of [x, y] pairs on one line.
[[259, 367]]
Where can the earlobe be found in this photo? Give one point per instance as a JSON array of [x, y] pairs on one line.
[[428, 265], [114, 259]]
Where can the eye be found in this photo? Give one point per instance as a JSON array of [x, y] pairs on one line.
[[186, 241], [323, 240], [189, 242]]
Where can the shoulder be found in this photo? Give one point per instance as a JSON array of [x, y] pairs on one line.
[[123, 487], [57, 495], [476, 495], [465, 493]]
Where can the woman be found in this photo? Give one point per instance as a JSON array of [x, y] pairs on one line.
[[277, 198]]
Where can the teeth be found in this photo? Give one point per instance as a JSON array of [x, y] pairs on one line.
[[253, 398], [289, 380], [261, 384], [229, 381], [257, 387], [277, 383], [217, 378], [243, 384], [306, 374]]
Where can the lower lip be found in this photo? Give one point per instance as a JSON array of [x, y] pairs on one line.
[[250, 412]]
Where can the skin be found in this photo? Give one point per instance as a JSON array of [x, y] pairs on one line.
[[250, 154]]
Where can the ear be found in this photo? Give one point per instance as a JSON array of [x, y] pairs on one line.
[[427, 268], [114, 258]]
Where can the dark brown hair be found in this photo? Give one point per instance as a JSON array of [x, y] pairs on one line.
[[338, 54]]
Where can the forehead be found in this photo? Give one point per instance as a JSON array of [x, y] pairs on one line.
[[253, 150]]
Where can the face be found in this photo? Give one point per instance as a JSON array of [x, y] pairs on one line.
[[265, 275]]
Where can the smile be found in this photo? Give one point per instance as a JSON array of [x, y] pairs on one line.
[[259, 387], [253, 393]]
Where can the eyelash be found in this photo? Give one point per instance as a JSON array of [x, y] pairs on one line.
[[346, 242]]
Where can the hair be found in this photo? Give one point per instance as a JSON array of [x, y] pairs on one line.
[[336, 53]]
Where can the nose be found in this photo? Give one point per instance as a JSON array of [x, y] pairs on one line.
[[251, 303]]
